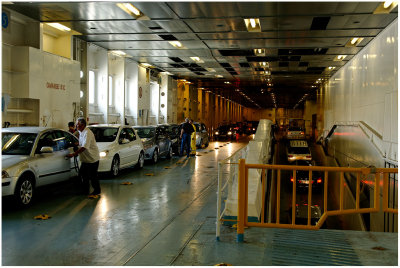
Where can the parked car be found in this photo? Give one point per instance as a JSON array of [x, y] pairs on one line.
[[251, 127], [33, 157], [119, 146], [298, 150], [295, 133], [173, 131], [202, 138], [156, 142], [302, 176], [224, 132]]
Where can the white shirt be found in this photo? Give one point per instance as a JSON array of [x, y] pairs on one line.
[[91, 152]]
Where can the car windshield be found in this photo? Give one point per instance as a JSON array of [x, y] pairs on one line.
[[17, 143], [104, 134], [146, 132], [294, 129], [223, 128], [299, 150]]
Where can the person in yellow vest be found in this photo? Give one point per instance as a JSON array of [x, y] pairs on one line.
[[193, 139]]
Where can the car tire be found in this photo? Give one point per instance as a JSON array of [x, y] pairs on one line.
[[155, 156], [115, 164], [140, 162], [170, 153], [24, 190], [206, 145]]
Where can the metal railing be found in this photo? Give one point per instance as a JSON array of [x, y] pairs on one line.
[[222, 185], [242, 220]]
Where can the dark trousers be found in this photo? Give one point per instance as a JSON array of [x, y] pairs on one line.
[[88, 172], [185, 141]]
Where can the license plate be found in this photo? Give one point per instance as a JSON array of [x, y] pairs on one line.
[[303, 181]]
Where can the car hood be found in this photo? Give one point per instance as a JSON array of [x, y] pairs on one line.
[[10, 160], [104, 145]]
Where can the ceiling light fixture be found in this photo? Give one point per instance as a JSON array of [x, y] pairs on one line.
[[130, 9], [387, 4], [385, 7], [331, 67], [145, 64], [259, 51], [59, 26], [340, 57], [195, 59], [118, 53], [354, 42], [176, 44], [253, 25]]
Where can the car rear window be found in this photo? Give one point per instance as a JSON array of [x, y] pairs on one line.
[[104, 134], [299, 150]]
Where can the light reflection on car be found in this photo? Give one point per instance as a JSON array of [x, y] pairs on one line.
[[34, 157], [302, 176]]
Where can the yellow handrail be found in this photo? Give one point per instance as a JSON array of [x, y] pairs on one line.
[[243, 194]]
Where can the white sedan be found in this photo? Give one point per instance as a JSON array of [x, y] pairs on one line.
[[119, 147], [33, 157]]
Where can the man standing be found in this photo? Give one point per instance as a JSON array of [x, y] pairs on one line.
[[186, 132], [89, 156], [193, 139]]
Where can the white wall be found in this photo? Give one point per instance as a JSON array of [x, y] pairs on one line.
[[131, 75], [366, 89]]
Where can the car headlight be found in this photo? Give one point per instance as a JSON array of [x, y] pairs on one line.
[[103, 153], [4, 174], [216, 133], [229, 132]]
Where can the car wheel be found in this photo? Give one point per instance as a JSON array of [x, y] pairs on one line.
[[24, 191], [170, 153], [206, 145], [140, 162], [115, 166], [155, 156]]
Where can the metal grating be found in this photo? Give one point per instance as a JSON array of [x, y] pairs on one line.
[[304, 247]]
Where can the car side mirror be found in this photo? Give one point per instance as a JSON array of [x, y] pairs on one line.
[[46, 149]]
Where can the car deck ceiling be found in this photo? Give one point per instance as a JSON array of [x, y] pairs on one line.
[[301, 40]]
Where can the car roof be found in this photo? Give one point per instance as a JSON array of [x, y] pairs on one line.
[[144, 126], [28, 129], [107, 125]]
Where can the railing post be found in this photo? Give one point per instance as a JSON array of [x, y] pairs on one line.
[[241, 200], [218, 222]]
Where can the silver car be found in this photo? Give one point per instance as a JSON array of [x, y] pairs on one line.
[[33, 157]]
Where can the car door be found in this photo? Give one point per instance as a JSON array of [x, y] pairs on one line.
[[134, 145], [204, 133], [125, 147], [51, 167], [161, 140]]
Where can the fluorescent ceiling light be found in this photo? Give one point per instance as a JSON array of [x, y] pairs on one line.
[[211, 70], [387, 4], [340, 58], [385, 7], [253, 25], [331, 67], [219, 76], [130, 9], [145, 64], [265, 64], [195, 59], [59, 26], [118, 52], [176, 44], [259, 51], [354, 42]]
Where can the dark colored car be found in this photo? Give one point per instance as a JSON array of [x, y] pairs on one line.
[[156, 142], [302, 176], [224, 132], [251, 127], [173, 132]]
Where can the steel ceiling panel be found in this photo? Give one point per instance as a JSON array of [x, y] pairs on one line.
[[148, 45], [216, 32]]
